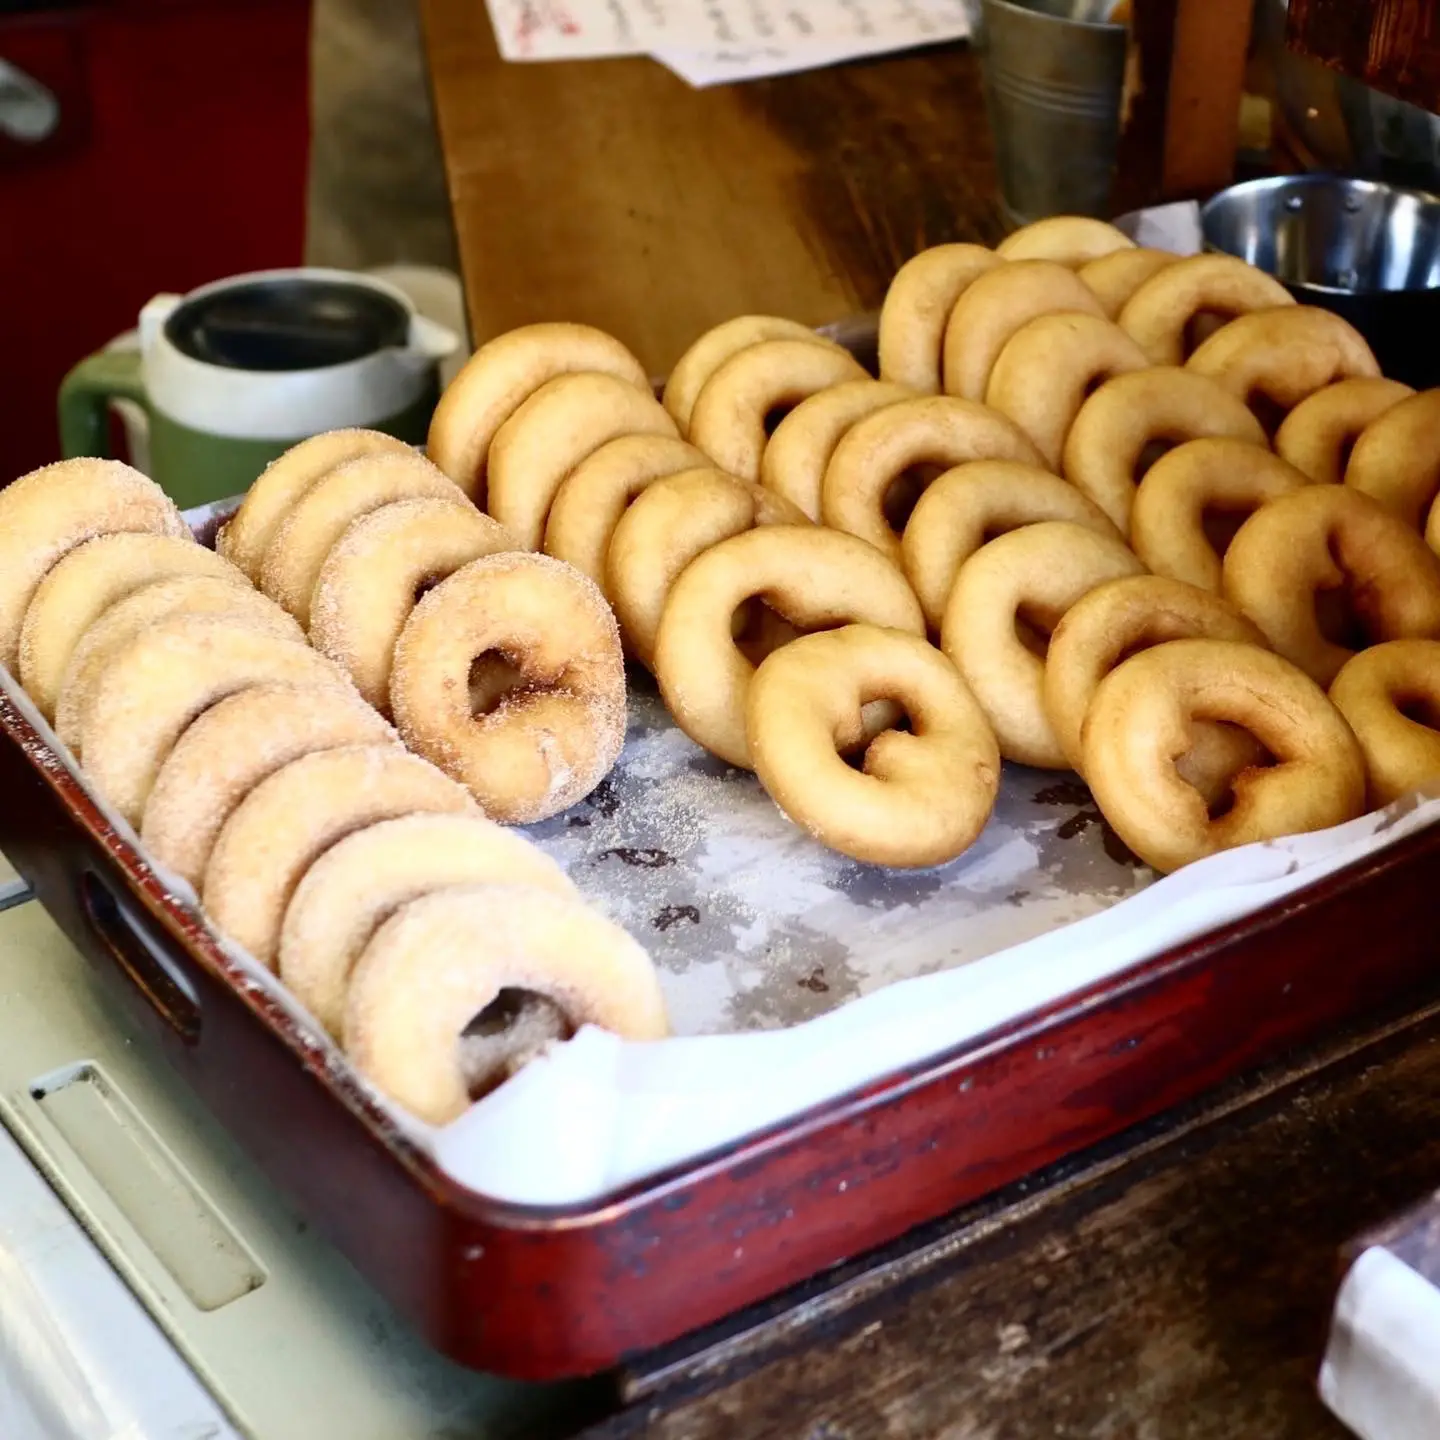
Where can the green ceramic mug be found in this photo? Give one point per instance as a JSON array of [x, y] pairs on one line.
[[234, 373]]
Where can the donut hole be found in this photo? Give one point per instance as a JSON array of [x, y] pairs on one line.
[[1267, 410], [515, 1027], [1420, 708], [903, 494], [758, 630], [493, 678], [774, 416], [1338, 619], [1220, 525], [1033, 627], [1202, 325], [1154, 449], [1219, 790]]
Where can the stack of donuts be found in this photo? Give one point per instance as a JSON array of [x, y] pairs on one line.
[[251, 766]]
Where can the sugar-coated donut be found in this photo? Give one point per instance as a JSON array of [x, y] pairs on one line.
[[1139, 724], [1320, 433], [1161, 314], [90, 579], [994, 306], [1396, 460], [799, 451], [1322, 538], [564, 421], [813, 578], [974, 503], [1198, 482], [1031, 577], [875, 453], [357, 884], [369, 582], [228, 750], [246, 536], [294, 816], [1065, 239], [1116, 428], [917, 305], [445, 959], [922, 796], [597, 492], [154, 686], [500, 376], [1117, 276], [552, 727], [1390, 696], [47, 513], [731, 411], [1048, 367]]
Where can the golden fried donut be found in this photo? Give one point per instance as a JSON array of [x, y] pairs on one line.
[[1320, 432], [917, 305], [1048, 367], [226, 752], [1117, 276], [47, 513], [876, 452], [1321, 538], [1162, 313], [1071, 240], [154, 686], [1032, 577], [563, 422], [90, 579], [675, 520], [597, 492], [1140, 723], [246, 536], [1396, 460], [974, 503], [1273, 359], [552, 725], [500, 376], [321, 516], [293, 816], [1390, 696], [920, 798], [730, 413], [446, 959], [1191, 501], [813, 578], [1107, 447], [369, 582], [994, 306], [183, 595], [795, 460]]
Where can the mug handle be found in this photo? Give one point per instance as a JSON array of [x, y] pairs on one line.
[[85, 396]]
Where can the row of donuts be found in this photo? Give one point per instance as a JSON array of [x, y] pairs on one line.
[[389, 905]]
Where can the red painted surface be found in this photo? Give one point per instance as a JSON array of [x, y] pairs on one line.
[[181, 157]]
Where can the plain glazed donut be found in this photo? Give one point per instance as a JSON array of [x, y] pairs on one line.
[[730, 413], [799, 451], [225, 753], [321, 516], [1379, 692], [369, 582], [1195, 482], [994, 306], [1140, 723], [247, 535], [974, 503], [875, 452], [917, 305], [1160, 315], [1032, 575], [920, 798], [357, 884], [47, 513], [1396, 460], [1106, 448], [563, 422], [597, 492], [1319, 434], [813, 578], [1117, 276], [445, 959], [293, 816], [1322, 538], [1048, 367], [500, 376], [1071, 240], [542, 743], [90, 579]]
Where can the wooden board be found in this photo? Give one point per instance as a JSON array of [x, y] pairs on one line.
[[1393, 45]]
